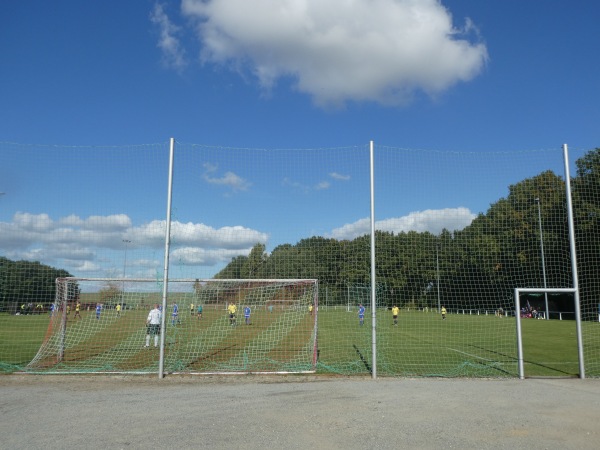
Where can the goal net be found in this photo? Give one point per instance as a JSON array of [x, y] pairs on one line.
[[210, 326]]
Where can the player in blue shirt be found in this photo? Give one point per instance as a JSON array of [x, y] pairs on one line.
[[247, 314], [175, 315], [361, 314], [98, 310]]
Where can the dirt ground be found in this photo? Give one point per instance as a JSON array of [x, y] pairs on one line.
[[296, 412]]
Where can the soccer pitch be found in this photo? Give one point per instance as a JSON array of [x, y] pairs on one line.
[[421, 345]]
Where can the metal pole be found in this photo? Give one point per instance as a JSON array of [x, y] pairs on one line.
[[373, 280], [437, 263], [126, 241], [161, 362], [537, 200], [519, 337], [574, 262]]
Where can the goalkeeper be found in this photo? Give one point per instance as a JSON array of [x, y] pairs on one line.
[[153, 326]]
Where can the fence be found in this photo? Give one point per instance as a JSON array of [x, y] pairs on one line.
[[454, 230]]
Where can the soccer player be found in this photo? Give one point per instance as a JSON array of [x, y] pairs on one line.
[[395, 312], [98, 310], [232, 309], [77, 309], [247, 315], [175, 314], [68, 309], [118, 308], [443, 311], [310, 308], [199, 313], [191, 309], [361, 314], [153, 326]]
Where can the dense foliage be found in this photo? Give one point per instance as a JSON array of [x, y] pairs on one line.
[[27, 283], [498, 251]]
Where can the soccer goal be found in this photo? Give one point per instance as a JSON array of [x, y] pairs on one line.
[[209, 326], [518, 313]]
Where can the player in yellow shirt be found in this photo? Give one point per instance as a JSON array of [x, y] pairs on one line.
[[118, 308], [310, 308], [232, 309], [443, 311], [77, 309], [395, 312]]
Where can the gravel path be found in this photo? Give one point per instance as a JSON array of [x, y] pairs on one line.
[[296, 412]]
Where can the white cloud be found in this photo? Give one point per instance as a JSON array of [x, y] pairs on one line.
[[205, 257], [430, 220], [229, 179], [339, 50], [95, 244], [339, 176], [172, 51], [33, 222]]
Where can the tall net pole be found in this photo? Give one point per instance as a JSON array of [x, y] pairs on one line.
[[161, 364], [574, 262], [373, 280]]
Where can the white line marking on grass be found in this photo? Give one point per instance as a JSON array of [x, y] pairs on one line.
[[469, 354]]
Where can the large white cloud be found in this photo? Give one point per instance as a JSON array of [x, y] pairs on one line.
[[91, 244], [431, 220], [340, 50]]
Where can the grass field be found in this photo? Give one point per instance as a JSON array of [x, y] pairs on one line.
[[421, 345]]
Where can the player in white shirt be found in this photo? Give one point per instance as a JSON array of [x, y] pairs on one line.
[[153, 325]]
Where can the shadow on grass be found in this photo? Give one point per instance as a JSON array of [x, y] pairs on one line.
[[363, 359], [533, 363]]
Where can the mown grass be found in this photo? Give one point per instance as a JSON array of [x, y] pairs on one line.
[[421, 345]]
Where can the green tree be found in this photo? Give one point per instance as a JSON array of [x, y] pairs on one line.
[[24, 282]]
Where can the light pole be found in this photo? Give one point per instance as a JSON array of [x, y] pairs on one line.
[[537, 200], [126, 242]]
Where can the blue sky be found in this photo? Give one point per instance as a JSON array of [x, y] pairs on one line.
[[450, 76]]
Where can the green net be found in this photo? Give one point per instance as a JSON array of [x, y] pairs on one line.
[[455, 232]]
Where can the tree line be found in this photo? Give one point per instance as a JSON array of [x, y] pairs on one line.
[[28, 283], [479, 265]]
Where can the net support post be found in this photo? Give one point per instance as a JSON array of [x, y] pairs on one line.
[[574, 262], [373, 280], [161, 362], [519, 335]]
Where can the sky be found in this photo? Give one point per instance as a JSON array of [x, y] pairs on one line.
[[444, 76]]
